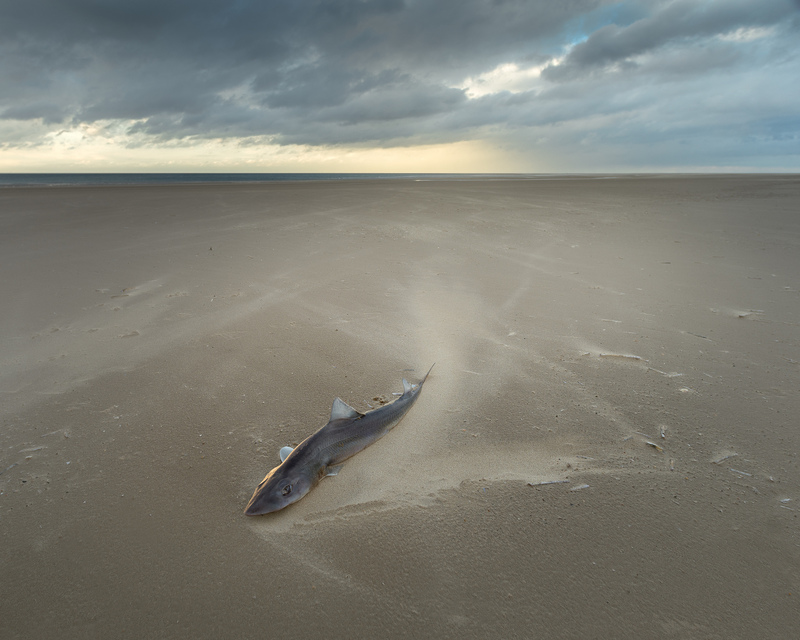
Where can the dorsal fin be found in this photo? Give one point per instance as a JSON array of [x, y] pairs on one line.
[[341, 410], [406, 386], [284, 452]]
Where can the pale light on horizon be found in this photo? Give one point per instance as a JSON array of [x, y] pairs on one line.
[[78, 152]]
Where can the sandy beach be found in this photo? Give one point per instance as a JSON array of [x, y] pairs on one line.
[[607, 446]]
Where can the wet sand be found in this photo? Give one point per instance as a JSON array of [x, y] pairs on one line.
[[607, 446]]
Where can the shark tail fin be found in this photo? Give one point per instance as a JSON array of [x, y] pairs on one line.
[[407, 386]]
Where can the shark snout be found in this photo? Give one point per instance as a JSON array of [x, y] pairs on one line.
[[278, 490], [259, 505]]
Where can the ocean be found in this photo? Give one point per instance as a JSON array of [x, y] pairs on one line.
[[116, 179]]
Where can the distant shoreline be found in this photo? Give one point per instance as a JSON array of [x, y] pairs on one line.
[[49, 180]]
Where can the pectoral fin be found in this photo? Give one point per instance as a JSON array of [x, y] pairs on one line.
[[284, 452], [341, 410], [334, 470]]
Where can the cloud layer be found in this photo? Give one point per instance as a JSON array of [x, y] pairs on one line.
[[580, 85]]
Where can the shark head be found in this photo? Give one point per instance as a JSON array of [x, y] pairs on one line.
[[282, 486]]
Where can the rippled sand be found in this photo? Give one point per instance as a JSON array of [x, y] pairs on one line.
[[607, 446]]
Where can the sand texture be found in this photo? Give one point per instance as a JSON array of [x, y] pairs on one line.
[[607, 446]]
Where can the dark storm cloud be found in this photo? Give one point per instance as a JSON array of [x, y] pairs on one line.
[[381, 72], [679, 21], [139, 58]]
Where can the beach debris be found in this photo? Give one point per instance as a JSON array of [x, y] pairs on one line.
[[579, 487], [672, 464], [785, 500], [663, 432], [724, 457], [673, 374], [620, 355], [546, 482], [741, 473], [655, 446]]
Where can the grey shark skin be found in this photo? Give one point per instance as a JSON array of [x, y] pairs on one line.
[[322, 453]]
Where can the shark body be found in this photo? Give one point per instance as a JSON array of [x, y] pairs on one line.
[[348, 431]]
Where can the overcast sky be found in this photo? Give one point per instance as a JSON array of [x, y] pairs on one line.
[[394, 85]]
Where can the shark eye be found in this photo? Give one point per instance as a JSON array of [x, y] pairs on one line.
[[286, 490]]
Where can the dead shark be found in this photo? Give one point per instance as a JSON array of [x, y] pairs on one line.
[[322, 453]]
